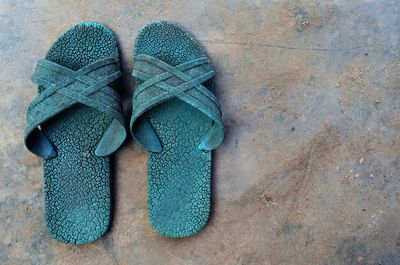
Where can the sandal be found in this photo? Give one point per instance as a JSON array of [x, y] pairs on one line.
[[177, 119], [81, 125]]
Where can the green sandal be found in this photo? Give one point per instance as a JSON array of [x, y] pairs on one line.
[[178, 120], [81, 124]]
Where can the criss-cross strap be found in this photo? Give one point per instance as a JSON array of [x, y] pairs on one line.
[[60, 88], [162, 82]]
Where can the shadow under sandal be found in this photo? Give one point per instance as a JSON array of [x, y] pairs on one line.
[[178, 120], [81, 124]]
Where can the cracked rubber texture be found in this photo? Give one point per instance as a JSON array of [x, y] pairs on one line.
[[77, 182], [179, 176]]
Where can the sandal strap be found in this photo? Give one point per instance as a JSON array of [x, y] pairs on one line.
[[162, 82], [60, 88]]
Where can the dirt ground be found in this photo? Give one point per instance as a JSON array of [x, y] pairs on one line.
[[309, 172]]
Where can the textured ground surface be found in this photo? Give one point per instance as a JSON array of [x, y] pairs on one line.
[[309, 172]]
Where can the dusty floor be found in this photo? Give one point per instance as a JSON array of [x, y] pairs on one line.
[[309, 172]]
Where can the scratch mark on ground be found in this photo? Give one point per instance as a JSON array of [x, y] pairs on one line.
[[218, 42], [40, 21]]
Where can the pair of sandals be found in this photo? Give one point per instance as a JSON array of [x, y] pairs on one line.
[[76, 122]]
